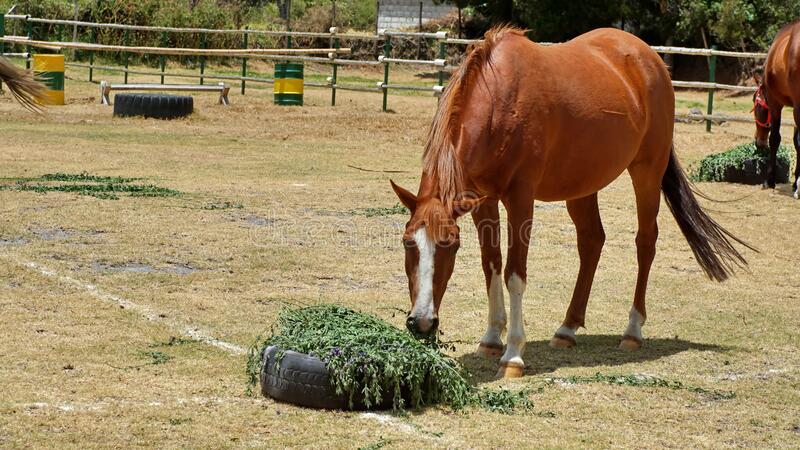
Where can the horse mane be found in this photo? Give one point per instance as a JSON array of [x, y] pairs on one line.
[[439, 160]]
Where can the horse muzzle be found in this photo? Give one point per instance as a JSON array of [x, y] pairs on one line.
[[422, 326]]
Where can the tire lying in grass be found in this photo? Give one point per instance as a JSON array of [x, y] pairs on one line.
[[156, 106], [744, 164], [298, 378], [304, 380]]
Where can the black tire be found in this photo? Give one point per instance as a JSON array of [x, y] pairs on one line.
[[753, 170], [300, 379], [303, 380], [157, 106]]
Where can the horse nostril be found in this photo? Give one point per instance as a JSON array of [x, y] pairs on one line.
[[435, 324], [411, 324]]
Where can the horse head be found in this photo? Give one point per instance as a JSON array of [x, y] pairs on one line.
[[431, 240], [761, 112]]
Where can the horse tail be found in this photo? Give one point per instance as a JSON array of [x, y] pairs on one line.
[[22, 84], [710, 242]]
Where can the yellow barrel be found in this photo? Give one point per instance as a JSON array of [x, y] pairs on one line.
[[49, 69], [289, 84]]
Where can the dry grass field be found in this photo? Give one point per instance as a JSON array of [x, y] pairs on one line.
[[107, 306]]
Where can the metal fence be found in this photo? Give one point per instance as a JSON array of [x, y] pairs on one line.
[[333, 58]]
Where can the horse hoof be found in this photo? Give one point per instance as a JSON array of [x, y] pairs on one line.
[[489, 350], [560, 341], [630, 343], [508, 371]]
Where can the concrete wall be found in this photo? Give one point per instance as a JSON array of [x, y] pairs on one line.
[[400, 14]]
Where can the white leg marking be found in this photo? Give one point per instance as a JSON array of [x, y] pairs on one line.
[[635, 322], [423, 304], [516, 330], [566, 331], [497, 311], [797, 186]]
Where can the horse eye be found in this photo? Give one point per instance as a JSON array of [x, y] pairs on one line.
[[409, 243]]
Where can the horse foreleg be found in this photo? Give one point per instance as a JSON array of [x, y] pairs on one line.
[[520, 220], [487, 222], [647, 188], [586, 217], [774, 143]]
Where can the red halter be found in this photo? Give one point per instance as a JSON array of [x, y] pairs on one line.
[[762, 102]]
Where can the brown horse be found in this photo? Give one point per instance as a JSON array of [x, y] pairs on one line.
[[22, 85], [521, 122], [780, 87]]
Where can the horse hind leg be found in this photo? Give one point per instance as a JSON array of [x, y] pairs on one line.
[[487, 222], [647, 187], [585, 215]]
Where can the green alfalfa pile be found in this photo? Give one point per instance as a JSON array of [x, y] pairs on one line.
[[716, 167], [369, 358]]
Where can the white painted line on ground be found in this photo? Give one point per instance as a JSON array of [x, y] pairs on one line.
[[109, 403], [384, 419], [188, 330], [148, 313]]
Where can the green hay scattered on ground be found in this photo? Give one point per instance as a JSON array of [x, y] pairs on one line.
[[643, 381], [713, 167], [222, 205], [367, 357], [106, 188], [84, 177], [381, 211]]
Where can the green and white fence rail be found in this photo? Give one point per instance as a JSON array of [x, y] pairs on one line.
[[387, 37]]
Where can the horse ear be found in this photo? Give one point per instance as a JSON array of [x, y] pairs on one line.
[[408, 199], [466, 205], [757, 78]]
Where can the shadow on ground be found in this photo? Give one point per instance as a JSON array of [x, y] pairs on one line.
[[592, 350]]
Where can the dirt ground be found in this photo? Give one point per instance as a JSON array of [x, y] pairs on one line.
[[109, 308]]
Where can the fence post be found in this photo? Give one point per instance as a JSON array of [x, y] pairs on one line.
[[244, 61], [712, 70], [419, 40], [202, 57], [28, 48], [442, 55], [335, 67], [127, 42], [387, 53], [2, 34], [163, 58], [93, 40]]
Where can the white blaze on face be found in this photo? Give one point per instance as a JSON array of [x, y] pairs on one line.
[[423, 304]]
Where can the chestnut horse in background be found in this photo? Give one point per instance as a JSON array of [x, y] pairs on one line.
[[780, 87], [521, 122]]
